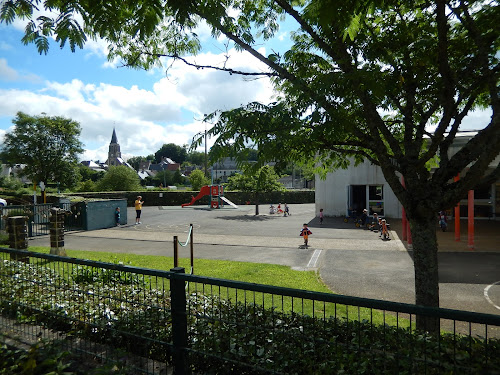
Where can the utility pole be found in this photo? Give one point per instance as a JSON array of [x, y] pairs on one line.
[[206, 158]]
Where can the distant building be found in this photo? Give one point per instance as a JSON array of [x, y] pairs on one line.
[[8, 171], [114, 153], [98, 167], [224, 169], [148, 169]]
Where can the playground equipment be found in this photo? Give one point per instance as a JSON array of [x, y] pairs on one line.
[[217, 198]]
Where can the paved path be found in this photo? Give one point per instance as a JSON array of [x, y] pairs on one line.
[[350, 260]]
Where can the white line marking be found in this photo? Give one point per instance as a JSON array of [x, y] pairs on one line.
[[488, 297], [314, 259]]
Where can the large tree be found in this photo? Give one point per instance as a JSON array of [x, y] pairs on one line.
[[171, 150], [47, 146], [388, 81]]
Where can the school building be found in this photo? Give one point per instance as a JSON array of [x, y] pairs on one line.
[[364, 186]]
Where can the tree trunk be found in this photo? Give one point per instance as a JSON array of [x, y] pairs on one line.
[[426, 270]]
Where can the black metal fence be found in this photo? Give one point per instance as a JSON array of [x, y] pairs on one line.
[[38, 216], [152, 320]]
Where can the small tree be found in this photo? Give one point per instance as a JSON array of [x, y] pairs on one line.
[[47, 146], [262, 181], [120, 178], [197, 179]]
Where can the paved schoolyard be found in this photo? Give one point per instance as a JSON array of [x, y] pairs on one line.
[[350, 260]]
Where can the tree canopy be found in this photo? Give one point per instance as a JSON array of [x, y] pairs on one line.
[[172, 151], [48, 147], [119, 178], [262, 181], [197, 179], [386, 81]]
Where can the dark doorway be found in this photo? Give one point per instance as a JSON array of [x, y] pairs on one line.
[[357, 198]]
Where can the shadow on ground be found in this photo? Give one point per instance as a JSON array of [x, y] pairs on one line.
[[246, 218], [482, 268]]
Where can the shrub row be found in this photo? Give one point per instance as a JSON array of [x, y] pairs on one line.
[[129, 312], [176, 198]]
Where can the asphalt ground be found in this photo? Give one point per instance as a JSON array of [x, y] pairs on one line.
[[350, 260]]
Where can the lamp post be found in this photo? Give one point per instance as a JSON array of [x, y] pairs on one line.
[[206, 159]]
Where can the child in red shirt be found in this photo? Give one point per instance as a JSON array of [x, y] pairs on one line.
[[305, 232]]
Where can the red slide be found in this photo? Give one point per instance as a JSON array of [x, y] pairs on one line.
[[205, 190]]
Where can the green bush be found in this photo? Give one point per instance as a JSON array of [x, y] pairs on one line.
[[229, 337]]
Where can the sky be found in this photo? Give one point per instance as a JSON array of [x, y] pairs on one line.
[[147, 108]]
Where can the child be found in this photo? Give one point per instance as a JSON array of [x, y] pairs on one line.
[[320, 216], [442, 221], [287, 211], [374, 223], [305, 232], [117, 216]]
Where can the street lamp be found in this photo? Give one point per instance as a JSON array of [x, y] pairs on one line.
[[206, 158]]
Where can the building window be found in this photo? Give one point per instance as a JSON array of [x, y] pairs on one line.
[[376, 199]]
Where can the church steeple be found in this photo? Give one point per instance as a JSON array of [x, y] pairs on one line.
[[113, 137], [114, 154]]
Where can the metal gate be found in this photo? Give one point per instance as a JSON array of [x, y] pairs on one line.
[[38, 216]]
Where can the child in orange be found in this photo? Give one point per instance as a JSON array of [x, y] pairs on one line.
[[305, 232]]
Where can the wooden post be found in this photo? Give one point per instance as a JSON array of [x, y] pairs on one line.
[[457, 216], [470, 220], [176, 252], [191, 247]]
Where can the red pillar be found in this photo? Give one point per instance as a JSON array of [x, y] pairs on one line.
[[457, 216], [404, 221], [470, 220]]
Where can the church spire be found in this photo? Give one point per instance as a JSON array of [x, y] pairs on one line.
[[114, 154], [113, 137]]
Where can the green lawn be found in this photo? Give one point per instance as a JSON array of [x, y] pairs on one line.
[[259, 273]]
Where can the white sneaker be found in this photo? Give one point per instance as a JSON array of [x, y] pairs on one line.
[[139, 222], [136, 223]]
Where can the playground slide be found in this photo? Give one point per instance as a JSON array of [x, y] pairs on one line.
[[228, 202], [205, 190]]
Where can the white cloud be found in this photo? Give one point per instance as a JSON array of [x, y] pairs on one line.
[[6, 72], [144, 119], [10, 74]]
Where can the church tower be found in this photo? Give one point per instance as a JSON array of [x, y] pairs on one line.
[[114, 154]]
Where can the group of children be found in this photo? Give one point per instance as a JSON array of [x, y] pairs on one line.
[[379, 225], [278, 210]]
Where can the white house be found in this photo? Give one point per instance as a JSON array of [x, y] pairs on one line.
[[364, 186]]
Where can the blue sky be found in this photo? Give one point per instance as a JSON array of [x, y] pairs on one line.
[[147, 109]]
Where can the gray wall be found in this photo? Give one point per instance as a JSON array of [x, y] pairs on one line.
[[101, 214]]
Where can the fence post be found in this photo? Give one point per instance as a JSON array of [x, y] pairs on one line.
[[18, 236], [191, 247], [179, 323], [176, 252]]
